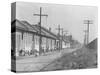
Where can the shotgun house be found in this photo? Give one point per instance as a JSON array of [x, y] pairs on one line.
[[49, 39], [25, 38], [66, 41], [65, 44], [22, 37]]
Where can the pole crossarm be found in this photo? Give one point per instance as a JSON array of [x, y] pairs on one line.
[[88, 22], [41, 15]]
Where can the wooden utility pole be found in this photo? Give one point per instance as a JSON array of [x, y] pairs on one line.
[[88, 22], [85, 37], [62, 38], [40, 39], [59, 29], [63, 32]]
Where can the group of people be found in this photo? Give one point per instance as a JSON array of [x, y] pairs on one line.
[[34, 52]]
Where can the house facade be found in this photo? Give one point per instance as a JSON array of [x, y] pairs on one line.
[[25, 39]]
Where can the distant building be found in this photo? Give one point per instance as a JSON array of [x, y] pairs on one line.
[[66, 43], [25, 39]]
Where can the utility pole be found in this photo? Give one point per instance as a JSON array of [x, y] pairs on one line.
[[63, 32], [88, 22], [85, 37], [40, 39], [59, 29], [62, 38]]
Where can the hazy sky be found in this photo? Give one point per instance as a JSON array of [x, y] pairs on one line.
[[70, 17]]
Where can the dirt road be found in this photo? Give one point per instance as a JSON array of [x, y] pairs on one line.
[[37, 63]]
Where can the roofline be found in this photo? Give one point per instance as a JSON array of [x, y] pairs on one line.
[[27, 28]]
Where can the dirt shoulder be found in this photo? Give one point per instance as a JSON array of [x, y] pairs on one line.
[[79, 59]]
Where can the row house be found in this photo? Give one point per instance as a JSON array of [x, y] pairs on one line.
[[66, 43], [25, 38]]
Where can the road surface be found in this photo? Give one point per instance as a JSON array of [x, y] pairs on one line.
[[33, 64]]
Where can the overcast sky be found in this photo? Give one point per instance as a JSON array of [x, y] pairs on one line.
[[70, 17]]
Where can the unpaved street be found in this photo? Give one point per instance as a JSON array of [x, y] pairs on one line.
[[37, 63]]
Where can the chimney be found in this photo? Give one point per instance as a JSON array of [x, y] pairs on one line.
[[50, 29]]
